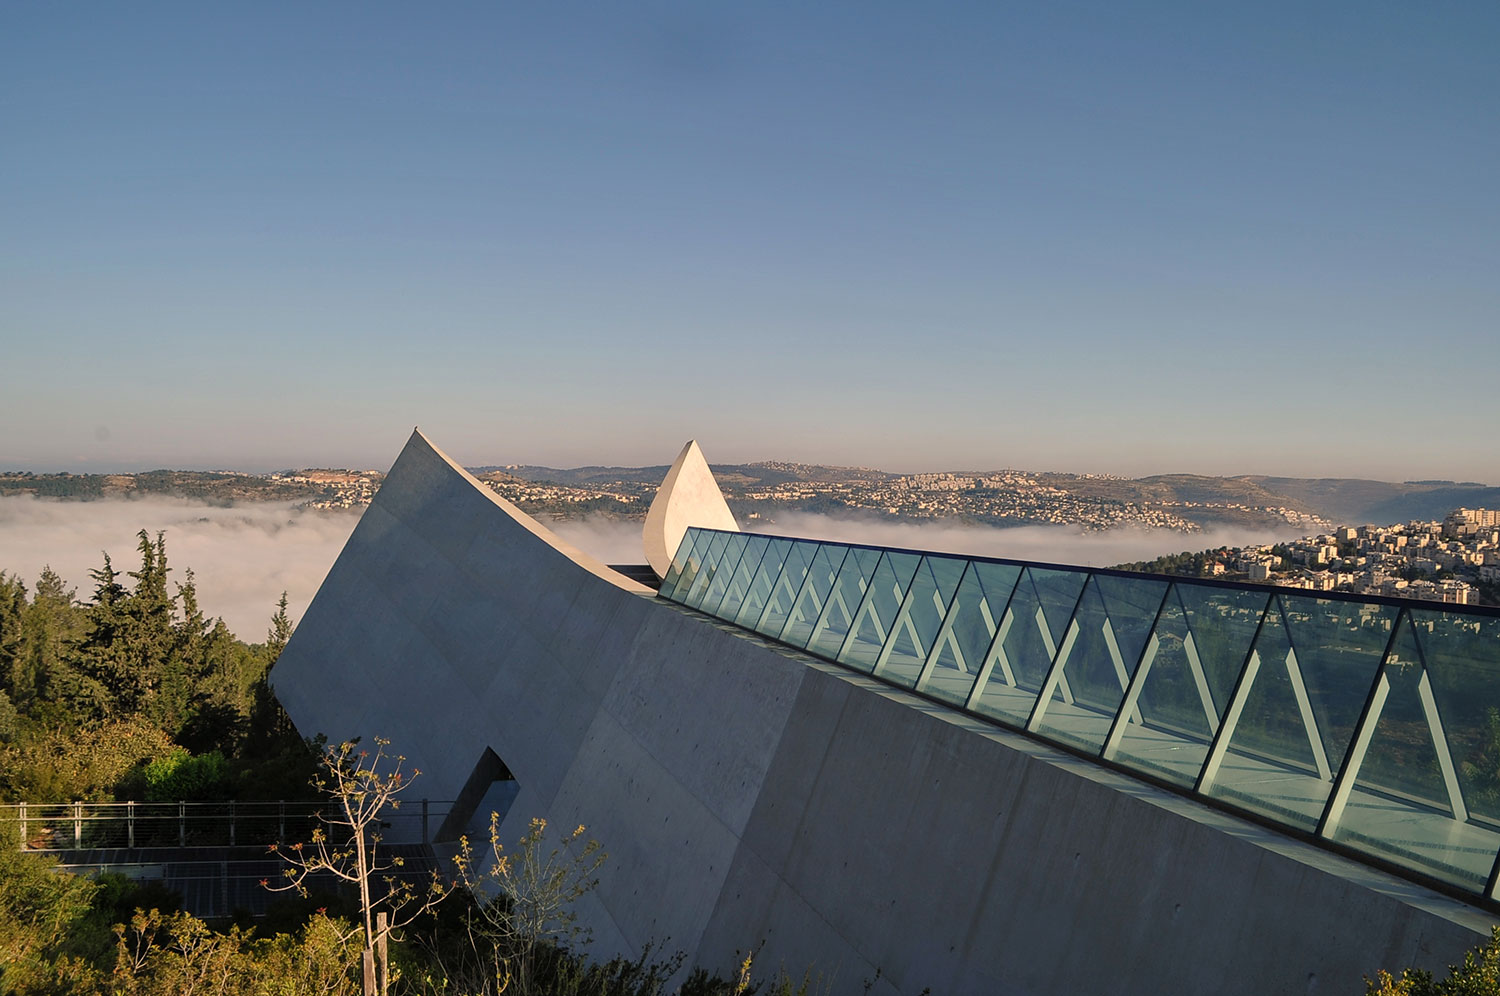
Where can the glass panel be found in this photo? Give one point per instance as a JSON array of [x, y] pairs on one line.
[[1034, 623], [710, 567], [963, 642], [1463, 664], [862, 647], [674, 571], [921, 616], [739, 581], [1222, 622], [1201, 641], [764, 580], [1108, 635], [844, 600], [729, 561], [814, 594], [1310, 672], [788, 585], [691, 566], [1406, 804]]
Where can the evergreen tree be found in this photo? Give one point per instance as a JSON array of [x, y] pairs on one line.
[[12, 610]]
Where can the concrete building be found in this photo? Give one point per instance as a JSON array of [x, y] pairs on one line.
[[967, 775]]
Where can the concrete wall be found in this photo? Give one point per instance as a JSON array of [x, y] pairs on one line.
[[747, 794]]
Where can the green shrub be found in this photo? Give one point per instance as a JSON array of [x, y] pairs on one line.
[[1479, 975], [179, 775]]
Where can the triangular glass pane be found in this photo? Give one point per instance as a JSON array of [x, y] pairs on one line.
[[1339, 645], [679, 560], [1221, 625], [844, 600], [1404, 805], [920, 618], [814, 594], [739, 581], [1168, 732], [1462, 652], [729, 560], [1111, 627], [1273, 762], [963, 643], [1034, 626], [787, 587], [762, 583], [881, 606], [708, 569]]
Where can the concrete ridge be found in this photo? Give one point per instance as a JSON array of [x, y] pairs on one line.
[[534, 527]]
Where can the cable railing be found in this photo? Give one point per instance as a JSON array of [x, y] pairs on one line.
[[1369, 725], [79, 826]]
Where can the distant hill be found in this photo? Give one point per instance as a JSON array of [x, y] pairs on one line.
[[729, 475], [579, 476], [1178, 487], [1355, 501]]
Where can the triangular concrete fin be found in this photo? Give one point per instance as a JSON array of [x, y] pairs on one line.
[[689, 496]]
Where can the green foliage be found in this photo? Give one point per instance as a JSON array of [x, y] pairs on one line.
[[1185, 564], [180, 775], [140, 667], [1479, 975], [57, 764]]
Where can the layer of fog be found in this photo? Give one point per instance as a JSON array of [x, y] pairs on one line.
[[242, 557], [245, 556], [619, 542]]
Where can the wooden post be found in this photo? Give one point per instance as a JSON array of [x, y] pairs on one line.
[[382, 931], [367, 961]]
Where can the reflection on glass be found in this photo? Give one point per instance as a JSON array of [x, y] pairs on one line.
[[919, 618], [762, 583], [1030, 632], [844, 600], [962, 647], [1105, 642], [729, 560], [786, 589], [739, 581], [684, 548], [1412, 783], [1185, 679], [709, 570], [814, 594], [875, 616], [691, 564], [1312, 666]]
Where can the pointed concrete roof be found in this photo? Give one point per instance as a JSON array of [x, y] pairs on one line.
[[688, 496]]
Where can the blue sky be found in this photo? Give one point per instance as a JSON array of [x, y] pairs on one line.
[[1130, 238]]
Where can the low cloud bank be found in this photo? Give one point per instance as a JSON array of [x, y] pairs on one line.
[[1050, 544], [610, 541], [619, 542], [243, 557]]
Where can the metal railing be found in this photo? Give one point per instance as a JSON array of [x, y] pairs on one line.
[[78, 826]]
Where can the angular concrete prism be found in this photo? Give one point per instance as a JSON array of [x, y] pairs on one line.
[[748, 794], [688, 496]]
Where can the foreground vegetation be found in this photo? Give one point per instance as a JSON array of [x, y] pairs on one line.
[[136, 694]]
